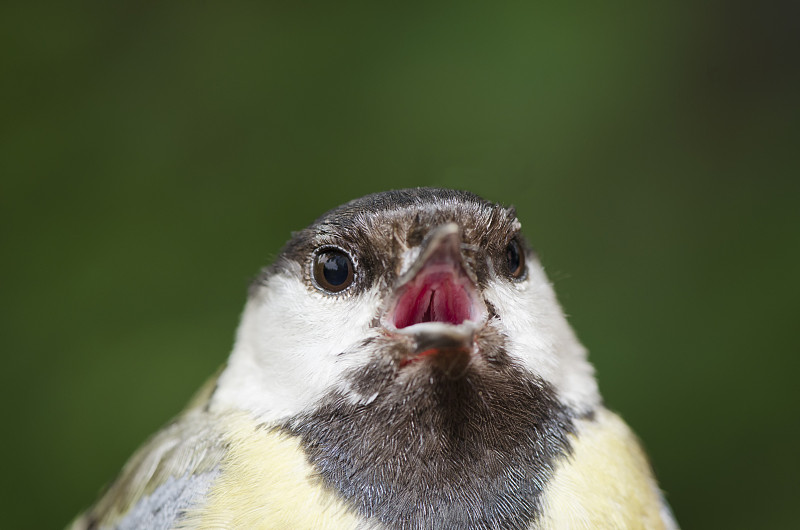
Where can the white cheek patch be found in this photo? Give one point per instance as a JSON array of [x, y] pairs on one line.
[[293, 345], [289, 346], [539, 336]]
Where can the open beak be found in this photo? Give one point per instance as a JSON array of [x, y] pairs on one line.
[[436, 301]]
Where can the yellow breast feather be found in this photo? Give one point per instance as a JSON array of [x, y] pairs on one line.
[[606, 482], [265, 482]]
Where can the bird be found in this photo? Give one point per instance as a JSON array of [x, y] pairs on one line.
[[403, 363]]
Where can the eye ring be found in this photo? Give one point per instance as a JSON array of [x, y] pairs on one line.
[[332, 269], [515, 260]]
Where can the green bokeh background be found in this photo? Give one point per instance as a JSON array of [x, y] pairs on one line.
[[154, 155]]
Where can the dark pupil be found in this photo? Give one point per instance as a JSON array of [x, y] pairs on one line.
[[335, 269], [512, 256]]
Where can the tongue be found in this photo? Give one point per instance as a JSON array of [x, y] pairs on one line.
[[435, 297]]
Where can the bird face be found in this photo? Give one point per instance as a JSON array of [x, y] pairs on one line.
[[392, 294]]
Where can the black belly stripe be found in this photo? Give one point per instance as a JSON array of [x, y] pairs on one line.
[[435, 452]]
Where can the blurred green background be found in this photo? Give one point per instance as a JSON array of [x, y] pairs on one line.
[[154, 155]]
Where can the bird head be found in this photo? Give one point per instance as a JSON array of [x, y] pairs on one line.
[[397, 296]]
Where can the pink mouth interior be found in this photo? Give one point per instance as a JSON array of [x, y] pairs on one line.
[[438, 295]]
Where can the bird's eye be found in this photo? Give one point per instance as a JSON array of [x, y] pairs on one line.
[[333, 270], [515, 260]]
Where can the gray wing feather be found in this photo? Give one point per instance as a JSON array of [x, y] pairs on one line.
[[171, 472]]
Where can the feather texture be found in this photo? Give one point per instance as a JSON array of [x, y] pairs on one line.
[[191, 445], [605, 483]]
